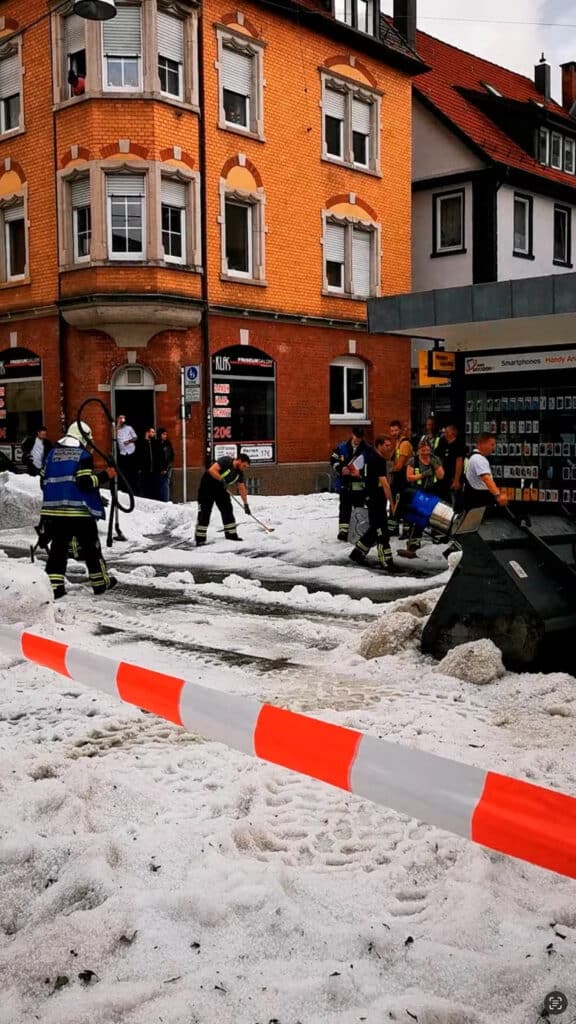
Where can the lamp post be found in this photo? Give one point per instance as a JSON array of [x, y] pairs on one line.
[[95, 10]]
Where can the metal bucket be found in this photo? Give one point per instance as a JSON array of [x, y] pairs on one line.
[[442, 517]]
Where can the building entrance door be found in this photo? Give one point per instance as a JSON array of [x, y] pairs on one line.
[[133, 397]]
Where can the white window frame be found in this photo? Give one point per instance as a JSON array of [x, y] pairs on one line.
[[346, 12], [13, 50], [569, 146], [125, 56], [126, 257], [7, 276], [439, 198], [543, 137], [351, 225], [363, 94], [527, 203], [179, 63], [256, 201], [184, 217], [253, 48], [556, 138], [76, 253], [350, 363], [566, 212], [248, 207]]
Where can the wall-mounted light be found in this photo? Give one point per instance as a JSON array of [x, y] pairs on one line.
[[95, 10]]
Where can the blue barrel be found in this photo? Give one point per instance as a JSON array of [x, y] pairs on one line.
[[421, 508]]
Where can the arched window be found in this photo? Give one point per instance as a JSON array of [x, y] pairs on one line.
[[348, 390]]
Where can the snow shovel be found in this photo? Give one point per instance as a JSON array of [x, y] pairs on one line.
[[268, 529]]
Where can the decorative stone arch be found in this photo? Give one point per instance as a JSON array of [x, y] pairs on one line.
[[238, 21], [347, 204], [75, 153], [243, 162], [350, 67]]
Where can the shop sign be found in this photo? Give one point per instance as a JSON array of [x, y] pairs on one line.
[[223, 450], [19, 362], [440, 363], [258, 452], [528, 362], [242, 361], [425, 380]]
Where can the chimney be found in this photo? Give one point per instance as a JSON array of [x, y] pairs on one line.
[[569, 87], [405, 19], [542, 78]]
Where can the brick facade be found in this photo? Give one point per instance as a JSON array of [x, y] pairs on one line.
[[287, 315]]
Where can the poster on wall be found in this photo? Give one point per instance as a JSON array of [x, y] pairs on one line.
[[243, 403]]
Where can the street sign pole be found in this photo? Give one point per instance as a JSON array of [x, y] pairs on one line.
[[183, 421]]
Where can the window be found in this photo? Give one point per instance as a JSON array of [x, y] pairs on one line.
[[81, 218], [170, 54], [563, 236], [523, 226], [448, 222], [349, 259], [125, 195], [173, 202], [122, 49], [15, 241], [75, 54], [556, 151], [543, 146], [239, 238], [569, 156], [10, 105], [348, 389], [359, 14], [237, 87], [351, 125]]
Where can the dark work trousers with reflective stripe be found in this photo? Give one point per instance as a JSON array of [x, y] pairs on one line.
[[212, 493], [377, 532], [351, 496], [63, 531]]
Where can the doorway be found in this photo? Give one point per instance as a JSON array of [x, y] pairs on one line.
[[133, 397]]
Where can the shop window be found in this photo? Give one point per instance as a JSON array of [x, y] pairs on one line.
[[122, 49], [563, 236], [523, 226], [449, 223], [347, 389], [14, 237], [81, 218], [351, 124], [20, 394], [241, 84], [359, 14], [171, 54], [75, 54], [173, 213], [350, 259], [243, 392], [126, 208], [10, 95]]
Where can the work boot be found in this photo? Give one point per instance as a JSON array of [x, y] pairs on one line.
[[407, 553], [58, 592], [199, 543], [103, 587], [342, 536], [234, 537], [357, 556], [387, 566]]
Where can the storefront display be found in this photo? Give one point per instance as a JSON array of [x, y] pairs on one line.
[[20, 394], [532, 413], [243, 391]]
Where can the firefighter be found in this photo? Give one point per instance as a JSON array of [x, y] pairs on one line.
[[213, 490], [71, 508], [403, 451], [424, 471], [349, 485], [377, 495]]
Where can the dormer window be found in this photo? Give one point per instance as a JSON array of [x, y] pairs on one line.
[[359, 14], [556, 150], [492, 89]]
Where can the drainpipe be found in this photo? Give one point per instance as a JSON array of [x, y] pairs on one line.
[[204, 245], [61, 347]]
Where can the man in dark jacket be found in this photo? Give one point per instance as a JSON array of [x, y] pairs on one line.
[[166, 461], [71, 509], [349, 484], [213, 490], [34, 451], [378, 494], [148, 455]]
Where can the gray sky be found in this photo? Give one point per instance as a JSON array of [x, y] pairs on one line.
[[516, 46]]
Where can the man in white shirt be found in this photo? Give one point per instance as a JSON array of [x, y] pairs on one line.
[[34, 451], [126, 438], [481, 490]]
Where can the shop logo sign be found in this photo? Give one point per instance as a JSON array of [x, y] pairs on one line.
[[222, 364]]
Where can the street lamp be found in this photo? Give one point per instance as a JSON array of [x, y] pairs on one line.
[[95, 10]]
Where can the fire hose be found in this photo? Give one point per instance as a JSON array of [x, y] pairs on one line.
[[111, 461]]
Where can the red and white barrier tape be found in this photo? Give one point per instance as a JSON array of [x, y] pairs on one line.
[[509, 815]]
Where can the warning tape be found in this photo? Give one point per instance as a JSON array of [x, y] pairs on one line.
[[509, 815]]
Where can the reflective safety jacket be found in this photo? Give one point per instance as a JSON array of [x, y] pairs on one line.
[[425, 475], [343, 455], [70, 484]]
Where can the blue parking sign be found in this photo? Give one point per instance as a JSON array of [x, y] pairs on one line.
[[192, 374]]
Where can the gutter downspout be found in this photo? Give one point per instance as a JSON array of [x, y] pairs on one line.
[[204, 245]]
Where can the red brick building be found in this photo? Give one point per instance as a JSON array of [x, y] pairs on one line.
[[209, 187]]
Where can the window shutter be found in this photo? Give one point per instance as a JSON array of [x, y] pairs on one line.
[[80, 192], [334, 240], [361, 116], [237, 72], [12, 213], [170, 37], [361, 262], [125, 185], [9, 76], [173, 193], [74, 34], [122, 35], [335, 104]]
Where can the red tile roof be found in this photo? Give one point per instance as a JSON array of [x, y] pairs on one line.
[[453, 69]]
